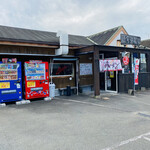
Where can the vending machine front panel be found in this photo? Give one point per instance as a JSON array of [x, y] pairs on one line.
[[10, 82], [36, 80]]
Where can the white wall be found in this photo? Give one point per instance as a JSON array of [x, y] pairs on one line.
[[114, 42]]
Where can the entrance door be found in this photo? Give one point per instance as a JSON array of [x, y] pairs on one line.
[[111, 79]]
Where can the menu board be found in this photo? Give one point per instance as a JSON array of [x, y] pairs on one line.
[[35, 71], [8, 72], [86, 69]]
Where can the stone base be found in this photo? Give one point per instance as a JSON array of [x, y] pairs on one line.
[[143, 89], [22, 102], [97, 97], [130, 92], [105, 98]]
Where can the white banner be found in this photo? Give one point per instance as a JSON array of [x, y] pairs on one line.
[[110, 65]]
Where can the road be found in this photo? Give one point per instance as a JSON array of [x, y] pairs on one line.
[[78, 123]]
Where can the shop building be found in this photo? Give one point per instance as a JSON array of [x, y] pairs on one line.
[[26, 45], [109, 37], [80, 66], [118, 81]]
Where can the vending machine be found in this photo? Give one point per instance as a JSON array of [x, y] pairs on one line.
[[36, 79], [10, 80]]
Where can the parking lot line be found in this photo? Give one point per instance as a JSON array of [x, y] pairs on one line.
[[93, 104], [140, 102], [128, 141], [146, 138]]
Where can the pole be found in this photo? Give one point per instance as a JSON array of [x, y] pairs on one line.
[[51, 69], [134, 59]]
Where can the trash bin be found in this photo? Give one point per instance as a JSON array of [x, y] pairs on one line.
[[51, 90], [68, 90]]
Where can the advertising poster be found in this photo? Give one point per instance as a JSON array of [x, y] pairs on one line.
[[136, 73], [86, 69], [125, 60], [111, 74]]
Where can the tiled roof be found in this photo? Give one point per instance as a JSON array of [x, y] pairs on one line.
[[103, 37], [146, 43], [41, 37]]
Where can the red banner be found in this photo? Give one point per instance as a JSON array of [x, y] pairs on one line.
[[136, 73]]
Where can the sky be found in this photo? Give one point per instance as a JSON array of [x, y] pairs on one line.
[[78, 17]]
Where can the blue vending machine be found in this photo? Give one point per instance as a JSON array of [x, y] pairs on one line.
[[10, 81]]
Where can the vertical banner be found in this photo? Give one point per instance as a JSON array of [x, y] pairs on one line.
[[136, 71]]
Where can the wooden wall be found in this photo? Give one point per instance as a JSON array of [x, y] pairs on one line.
[[62, 82], [29, 50], [125, 82], [26, 50], [144, 80]]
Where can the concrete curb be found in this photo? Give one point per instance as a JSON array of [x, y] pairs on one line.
[[3, 105], [23, 102], [47, 99]]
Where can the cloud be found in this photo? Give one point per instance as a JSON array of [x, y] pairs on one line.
[[77, 17]]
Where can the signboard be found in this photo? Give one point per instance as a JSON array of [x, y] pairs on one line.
[[4, 85], [110, 65], [125, 60], [130, 40], [86, 69], [136, 73]]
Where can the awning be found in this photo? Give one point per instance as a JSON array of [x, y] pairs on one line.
[[65, 59]]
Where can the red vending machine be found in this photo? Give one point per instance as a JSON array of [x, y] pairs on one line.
[[36, 79]]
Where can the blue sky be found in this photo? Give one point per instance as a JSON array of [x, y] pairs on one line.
[[80, 17]]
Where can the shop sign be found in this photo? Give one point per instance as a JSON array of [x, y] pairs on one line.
[[125, 60], [130, 40], [136, 73], [110, 65]]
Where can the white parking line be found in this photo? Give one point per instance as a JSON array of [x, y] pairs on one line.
[[93, 104], [133, 99], [146, 138], [128, 141]]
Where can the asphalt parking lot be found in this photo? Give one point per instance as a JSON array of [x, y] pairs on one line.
[[78, 123]]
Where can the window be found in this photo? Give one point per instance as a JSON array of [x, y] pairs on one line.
[[143, 67], [63, 69]]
